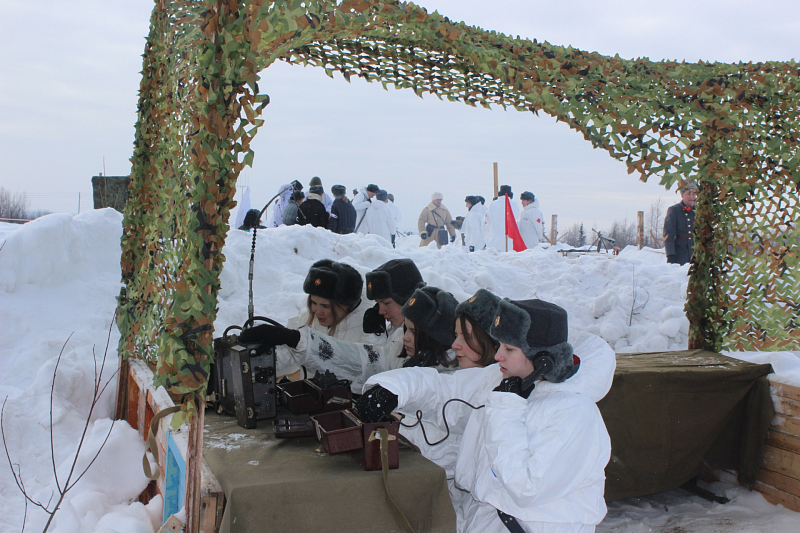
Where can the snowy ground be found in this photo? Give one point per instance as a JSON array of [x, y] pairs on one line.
[[59, 276]]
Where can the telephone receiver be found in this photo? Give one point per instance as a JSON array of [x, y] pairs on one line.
[[542, 363]]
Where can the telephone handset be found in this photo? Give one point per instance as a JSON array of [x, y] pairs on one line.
[[542, 363]]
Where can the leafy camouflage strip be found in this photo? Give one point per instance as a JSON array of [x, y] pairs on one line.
[[732, 127]]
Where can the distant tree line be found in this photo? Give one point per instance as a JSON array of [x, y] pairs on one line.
[[15, 208], [623, 232]]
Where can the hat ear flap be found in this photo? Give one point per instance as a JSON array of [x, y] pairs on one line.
[[379, 285]]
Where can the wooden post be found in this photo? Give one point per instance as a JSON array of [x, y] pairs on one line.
[[121, 407], [553, 229], [496, 187], [640, 228], [194, 464]]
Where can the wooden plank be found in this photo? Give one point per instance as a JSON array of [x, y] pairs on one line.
[[784, 390], [121, 402], [779, 481], [781, 461], [212, 501], [783, 441], [194, 466], [786, 406], [133, 404], [786, 425], [775, 496]]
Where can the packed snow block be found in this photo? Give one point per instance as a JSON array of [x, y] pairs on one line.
[[671, 415]]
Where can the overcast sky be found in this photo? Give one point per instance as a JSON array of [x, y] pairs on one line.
[[69, 76]]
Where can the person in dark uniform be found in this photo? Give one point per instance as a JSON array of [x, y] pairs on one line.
[[343, 214], [312, 210], [679, 227]]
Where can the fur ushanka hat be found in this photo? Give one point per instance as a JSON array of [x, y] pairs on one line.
[[481, 308], [433, 311], [334, 281], [536, 326], [396, 279]]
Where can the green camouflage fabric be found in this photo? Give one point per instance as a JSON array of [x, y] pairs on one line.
[[733, 128]]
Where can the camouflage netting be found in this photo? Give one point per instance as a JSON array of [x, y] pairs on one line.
[[731, 127]]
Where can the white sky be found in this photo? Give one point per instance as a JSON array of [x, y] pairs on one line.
[[69, 76]]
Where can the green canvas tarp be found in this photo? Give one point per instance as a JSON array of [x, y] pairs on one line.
[[671, 415], [284, 485]]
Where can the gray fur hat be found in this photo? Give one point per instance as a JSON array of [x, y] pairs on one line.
[[527, 195], [690, 185], [334, 281], [536, 326], [381, 195], [433, 311], [481, 308], [396, 279]]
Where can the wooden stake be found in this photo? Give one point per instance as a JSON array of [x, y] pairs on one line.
[[553, 229], [496, 187], [640, 232]]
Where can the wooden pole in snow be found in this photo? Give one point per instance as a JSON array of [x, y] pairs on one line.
[[553, 229], [640, 228]]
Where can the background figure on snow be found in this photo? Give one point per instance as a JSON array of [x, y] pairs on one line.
[[343, 214], [279, 206], [530, 220], [379, 217], [327, 201], [252, 219], [397, 218], [495, 224], [312, 211], [473, 223], [290, 211], [679, 227], [362, 201], [435, 223]]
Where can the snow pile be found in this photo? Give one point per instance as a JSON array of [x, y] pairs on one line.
[[59, 276], [634, 300]]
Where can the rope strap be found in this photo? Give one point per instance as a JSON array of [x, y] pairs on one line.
[[399, 517], [151, 445]]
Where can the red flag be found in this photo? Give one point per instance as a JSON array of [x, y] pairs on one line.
[[512, 231]]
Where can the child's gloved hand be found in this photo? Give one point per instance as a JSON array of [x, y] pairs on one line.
[[269, 335], [376, 403], [373, 321]]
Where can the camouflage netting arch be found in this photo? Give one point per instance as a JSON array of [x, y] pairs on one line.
[[731, 127]]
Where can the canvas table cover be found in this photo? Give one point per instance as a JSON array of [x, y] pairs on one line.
[[284, 485], [670, 415]]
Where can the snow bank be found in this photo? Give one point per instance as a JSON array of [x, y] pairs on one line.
[[59, 278], [634, 300]]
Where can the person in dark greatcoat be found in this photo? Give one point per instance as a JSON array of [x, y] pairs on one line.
[[343, 214], [679, 227], [312, 211]]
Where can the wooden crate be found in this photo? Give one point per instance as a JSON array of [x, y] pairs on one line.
[[137, 403], [778, 478]]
